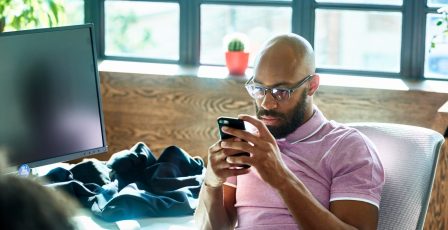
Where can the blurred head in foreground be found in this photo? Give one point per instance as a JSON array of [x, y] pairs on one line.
[[26, 204]]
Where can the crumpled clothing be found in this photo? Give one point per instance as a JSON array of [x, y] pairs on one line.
[[134, 184]]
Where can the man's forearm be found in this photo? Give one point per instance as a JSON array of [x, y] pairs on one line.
[[211, 213], [306, 210]]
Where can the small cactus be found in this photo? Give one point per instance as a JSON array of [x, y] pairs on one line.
[[235, 45]]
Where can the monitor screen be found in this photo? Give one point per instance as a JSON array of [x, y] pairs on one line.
[[50, 100]]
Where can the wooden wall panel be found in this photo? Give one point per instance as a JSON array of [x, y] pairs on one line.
[[346, 104], [163, 111]]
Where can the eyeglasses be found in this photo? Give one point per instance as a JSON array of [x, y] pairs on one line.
[[279, 93]]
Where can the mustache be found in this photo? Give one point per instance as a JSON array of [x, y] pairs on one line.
[[270, 113]]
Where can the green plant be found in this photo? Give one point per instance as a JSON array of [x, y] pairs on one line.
[[442, 36], [235, 45], [25, 14], [234, 42]]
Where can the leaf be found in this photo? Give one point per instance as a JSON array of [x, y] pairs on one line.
[[439, 23], [54, 9], [15, 23], [50, 21]]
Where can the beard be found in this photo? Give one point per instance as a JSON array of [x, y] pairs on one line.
[[289, 121]]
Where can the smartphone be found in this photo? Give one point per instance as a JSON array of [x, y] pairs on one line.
[[233, 123], [230, 122]]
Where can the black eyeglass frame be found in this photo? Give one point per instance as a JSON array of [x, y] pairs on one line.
[[289, 90]]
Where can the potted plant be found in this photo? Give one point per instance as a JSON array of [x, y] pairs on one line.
[[236, 57], [24, 14]]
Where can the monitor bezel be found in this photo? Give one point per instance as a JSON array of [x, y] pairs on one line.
[[75, 155]]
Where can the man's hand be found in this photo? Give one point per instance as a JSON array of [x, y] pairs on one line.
[[216, 208], [218, 168], [265, 154]]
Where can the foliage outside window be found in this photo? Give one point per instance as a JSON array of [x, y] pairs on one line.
[[436, 61], [26, 14], [142, 29], [442, 23], [358, 40]]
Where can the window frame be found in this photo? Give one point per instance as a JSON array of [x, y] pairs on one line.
[[413, 50]]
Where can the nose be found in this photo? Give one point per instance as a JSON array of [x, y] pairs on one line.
[[268, 102]]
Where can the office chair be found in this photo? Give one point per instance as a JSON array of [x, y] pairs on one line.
[[409, 156]]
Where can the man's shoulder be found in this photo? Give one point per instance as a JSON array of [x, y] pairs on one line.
[[349, 138], [354, 146], [342, 131]]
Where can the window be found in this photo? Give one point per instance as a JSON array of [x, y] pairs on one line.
[[436, 63], [360, 40], [74, 12], [386, 2], [219, 20], [142, 29], [358, 37], [436, 3], [436, 59]]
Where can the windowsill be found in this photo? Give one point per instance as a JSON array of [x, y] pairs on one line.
[[222, 73]]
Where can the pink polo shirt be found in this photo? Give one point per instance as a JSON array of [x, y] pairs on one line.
[[335, 162]]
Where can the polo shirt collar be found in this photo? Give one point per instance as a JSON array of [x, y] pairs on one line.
[[308, 129]]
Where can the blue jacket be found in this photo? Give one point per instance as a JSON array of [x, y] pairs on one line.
[[134, 184]]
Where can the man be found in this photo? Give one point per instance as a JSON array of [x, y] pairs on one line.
[[306, 172]]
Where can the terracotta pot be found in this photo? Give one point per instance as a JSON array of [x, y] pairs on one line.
[[237, 62]]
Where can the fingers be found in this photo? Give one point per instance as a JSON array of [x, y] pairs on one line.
[[263, 132], [224, 169], [239, 134], [262, 129], [239, 160], [218, 165], [216, 147], [236, 171], [246, 136], [233, 147]]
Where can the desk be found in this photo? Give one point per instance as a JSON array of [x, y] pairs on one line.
[[86, 222]]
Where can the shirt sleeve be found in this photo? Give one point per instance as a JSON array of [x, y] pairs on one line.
[[357, 171], [231, 181]]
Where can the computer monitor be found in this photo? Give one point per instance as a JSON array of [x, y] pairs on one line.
[[50, 99]]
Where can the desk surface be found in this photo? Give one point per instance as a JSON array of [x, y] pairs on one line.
[[86, 222]]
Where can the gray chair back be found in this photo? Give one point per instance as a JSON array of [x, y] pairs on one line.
[[409, 157]]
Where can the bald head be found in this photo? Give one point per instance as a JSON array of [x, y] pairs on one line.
[[288, 54]]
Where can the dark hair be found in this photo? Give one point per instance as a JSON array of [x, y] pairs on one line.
[[26, 204]]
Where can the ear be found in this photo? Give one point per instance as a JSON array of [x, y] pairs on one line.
[[313, 85]]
